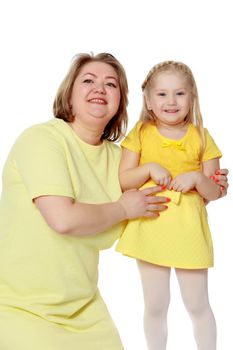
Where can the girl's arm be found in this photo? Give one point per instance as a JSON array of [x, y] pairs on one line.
[[66, 216], [205, 185], [200, 181], [132, 175]]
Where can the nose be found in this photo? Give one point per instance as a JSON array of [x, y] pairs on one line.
[[100, 88], [172, 99]]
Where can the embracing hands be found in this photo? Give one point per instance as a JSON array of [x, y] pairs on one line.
[[143, 203], [187, 181], [221, 179], [181, 183]]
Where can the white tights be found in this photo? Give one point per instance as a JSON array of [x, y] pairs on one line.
[[194, 291]]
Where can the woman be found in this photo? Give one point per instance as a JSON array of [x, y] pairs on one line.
[[61, 203]]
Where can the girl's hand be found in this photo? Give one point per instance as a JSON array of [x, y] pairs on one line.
[[159, 174], [221, 179], [142, 203], [184, 182]]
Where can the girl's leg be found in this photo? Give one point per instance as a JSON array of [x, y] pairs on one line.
[[194, 291], [156, 289]]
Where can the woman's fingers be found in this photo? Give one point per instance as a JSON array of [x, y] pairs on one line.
[[143, 203], [222, 172], [157, 199], [223, 183], [217, 178], [151, 214], [156, 207], [152, 190]]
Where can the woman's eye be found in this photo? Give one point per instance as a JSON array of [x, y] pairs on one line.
[[88, 81], [111, 84], [161, 94], [181, 93]]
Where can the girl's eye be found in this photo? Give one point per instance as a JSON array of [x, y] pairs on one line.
[[88, 81], [181, 93], [111, 84], [161, 94]]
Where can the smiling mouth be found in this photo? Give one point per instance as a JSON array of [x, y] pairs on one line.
[[98, 101], [171, 110]]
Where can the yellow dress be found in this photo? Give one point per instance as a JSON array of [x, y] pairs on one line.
[[49, 298], [180, 236]]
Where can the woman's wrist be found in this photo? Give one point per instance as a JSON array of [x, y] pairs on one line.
[[121, 210]]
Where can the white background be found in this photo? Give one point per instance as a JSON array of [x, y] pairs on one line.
[[38, 40]]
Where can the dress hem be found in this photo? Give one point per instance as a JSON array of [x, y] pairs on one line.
[[167, 264]]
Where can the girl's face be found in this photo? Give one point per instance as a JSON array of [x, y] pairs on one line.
[[96, 95], [169, 98]]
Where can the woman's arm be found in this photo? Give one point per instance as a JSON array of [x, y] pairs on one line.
[[133, 175], [66, 216], [206, 186]]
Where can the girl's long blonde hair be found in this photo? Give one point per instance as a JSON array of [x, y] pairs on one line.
[[194, 115]]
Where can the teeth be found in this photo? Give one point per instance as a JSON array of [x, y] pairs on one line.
[[96, 100]]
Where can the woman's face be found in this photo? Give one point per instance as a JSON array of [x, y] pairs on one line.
[[96, 95]]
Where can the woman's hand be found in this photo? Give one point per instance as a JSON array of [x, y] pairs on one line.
[[221, 179], [143, 203]]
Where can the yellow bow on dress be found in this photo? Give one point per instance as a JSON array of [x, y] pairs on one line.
[[176, 144]]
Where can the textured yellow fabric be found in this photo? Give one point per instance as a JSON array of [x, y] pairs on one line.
[[180, 237], [49, 298]]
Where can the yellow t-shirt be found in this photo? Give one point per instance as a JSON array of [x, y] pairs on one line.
[[48, 282]]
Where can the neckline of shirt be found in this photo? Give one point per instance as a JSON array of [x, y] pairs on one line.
[[62, 123], [173, 140]]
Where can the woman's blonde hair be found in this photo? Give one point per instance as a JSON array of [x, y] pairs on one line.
[[194, 115], [117, 126]]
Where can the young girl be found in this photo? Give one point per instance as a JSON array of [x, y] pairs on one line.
[[170, 147]]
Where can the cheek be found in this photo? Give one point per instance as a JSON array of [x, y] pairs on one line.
[[188, 106], [116, 99], [156, 105], [74, 96], [190, 102]]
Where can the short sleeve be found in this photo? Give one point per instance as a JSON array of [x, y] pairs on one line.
[[133, 140], [40, 159], [211, 150]]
